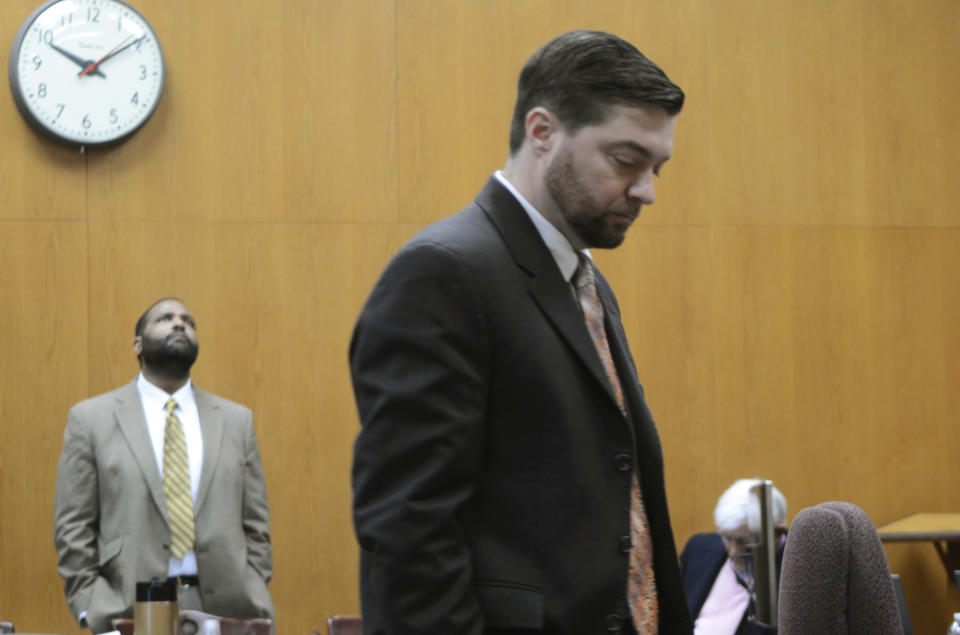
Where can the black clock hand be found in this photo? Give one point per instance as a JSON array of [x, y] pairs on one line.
[[94, 67], [75, 59]]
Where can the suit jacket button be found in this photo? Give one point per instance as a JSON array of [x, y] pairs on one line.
[[622, 462], [612, 623], [625, 544]]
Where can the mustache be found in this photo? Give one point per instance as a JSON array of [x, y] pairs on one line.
[[627, 208]]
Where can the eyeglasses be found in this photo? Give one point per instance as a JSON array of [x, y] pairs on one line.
[[752, 540], [742, 540]]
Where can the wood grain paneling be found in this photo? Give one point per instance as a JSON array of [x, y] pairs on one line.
[[791, 299], [785, 115], [826, 352], [267, 114], [910, 91], [43, 369]]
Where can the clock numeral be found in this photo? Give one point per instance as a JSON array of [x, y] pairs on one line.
[[66, 19], [139, 42], [61, 108], [135, 99], [42, 90], [44, 36], [87, 122], [114, 118], [143, 71], [37, 62], [119, 23], [93, 14]]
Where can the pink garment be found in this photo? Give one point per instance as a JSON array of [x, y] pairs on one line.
[[723, 609]]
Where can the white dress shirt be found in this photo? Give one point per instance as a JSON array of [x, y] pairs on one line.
[[154, 400], [724, 607], [561, 249]]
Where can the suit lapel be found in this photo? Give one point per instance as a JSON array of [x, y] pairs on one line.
[[129, 416], [645, 433], [211, 428], [550, 291]]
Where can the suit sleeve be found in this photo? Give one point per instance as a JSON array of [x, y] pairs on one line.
[[419, 365], [76, 515], [256, 512]]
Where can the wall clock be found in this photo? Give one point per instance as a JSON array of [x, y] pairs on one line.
[[86, 72]]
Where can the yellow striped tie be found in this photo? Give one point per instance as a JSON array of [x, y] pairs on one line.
[[176, 484]]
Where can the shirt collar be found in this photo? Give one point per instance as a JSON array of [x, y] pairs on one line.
[[560, 248], [154, 394]]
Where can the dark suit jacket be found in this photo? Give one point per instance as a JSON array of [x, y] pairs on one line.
[[110, 525], [702, 558], [492, 470]]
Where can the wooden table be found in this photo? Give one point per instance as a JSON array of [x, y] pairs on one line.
[[943, 530]]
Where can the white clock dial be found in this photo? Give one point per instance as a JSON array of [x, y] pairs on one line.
[[86, 72]]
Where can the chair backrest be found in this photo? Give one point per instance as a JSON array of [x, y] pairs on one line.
[[191, 623], [835, 577], [344, 625], [902, 605], [6, 627]]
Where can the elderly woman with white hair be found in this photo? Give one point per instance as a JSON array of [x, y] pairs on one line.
[[712, 566]]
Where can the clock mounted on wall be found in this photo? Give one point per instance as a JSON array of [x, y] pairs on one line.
[[86, 73]]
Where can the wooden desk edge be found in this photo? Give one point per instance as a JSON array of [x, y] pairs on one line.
[[913, 536]]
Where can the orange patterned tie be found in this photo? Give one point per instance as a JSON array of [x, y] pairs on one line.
[[641, 587], [176, 484]]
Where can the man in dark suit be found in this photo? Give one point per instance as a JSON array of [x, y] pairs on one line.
[[508, 476], [115, 519]]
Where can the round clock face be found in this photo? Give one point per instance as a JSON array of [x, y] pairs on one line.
[[86, 72]]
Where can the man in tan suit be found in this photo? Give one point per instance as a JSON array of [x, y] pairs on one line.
[[119, 516]]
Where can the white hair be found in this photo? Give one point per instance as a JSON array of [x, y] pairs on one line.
[[738, 507]]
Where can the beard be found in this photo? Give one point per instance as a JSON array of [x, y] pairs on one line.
[[171, 357], [595, 225]]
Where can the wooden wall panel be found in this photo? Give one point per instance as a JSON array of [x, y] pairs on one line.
[[828, 357], [911, 88], [785, 94], [267, 115], [790, 299], [45, 317]]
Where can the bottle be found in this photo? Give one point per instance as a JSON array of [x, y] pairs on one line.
[[156, 611]]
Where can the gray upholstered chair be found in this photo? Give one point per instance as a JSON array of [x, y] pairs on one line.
[[835, 577], [6, 627]]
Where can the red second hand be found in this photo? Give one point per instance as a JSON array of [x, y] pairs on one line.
[[94, 66]]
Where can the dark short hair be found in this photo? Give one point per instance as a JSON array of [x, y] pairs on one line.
[[580, 74], [142, 322]]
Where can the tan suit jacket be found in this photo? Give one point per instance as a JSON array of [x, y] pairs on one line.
[[110, 526]]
